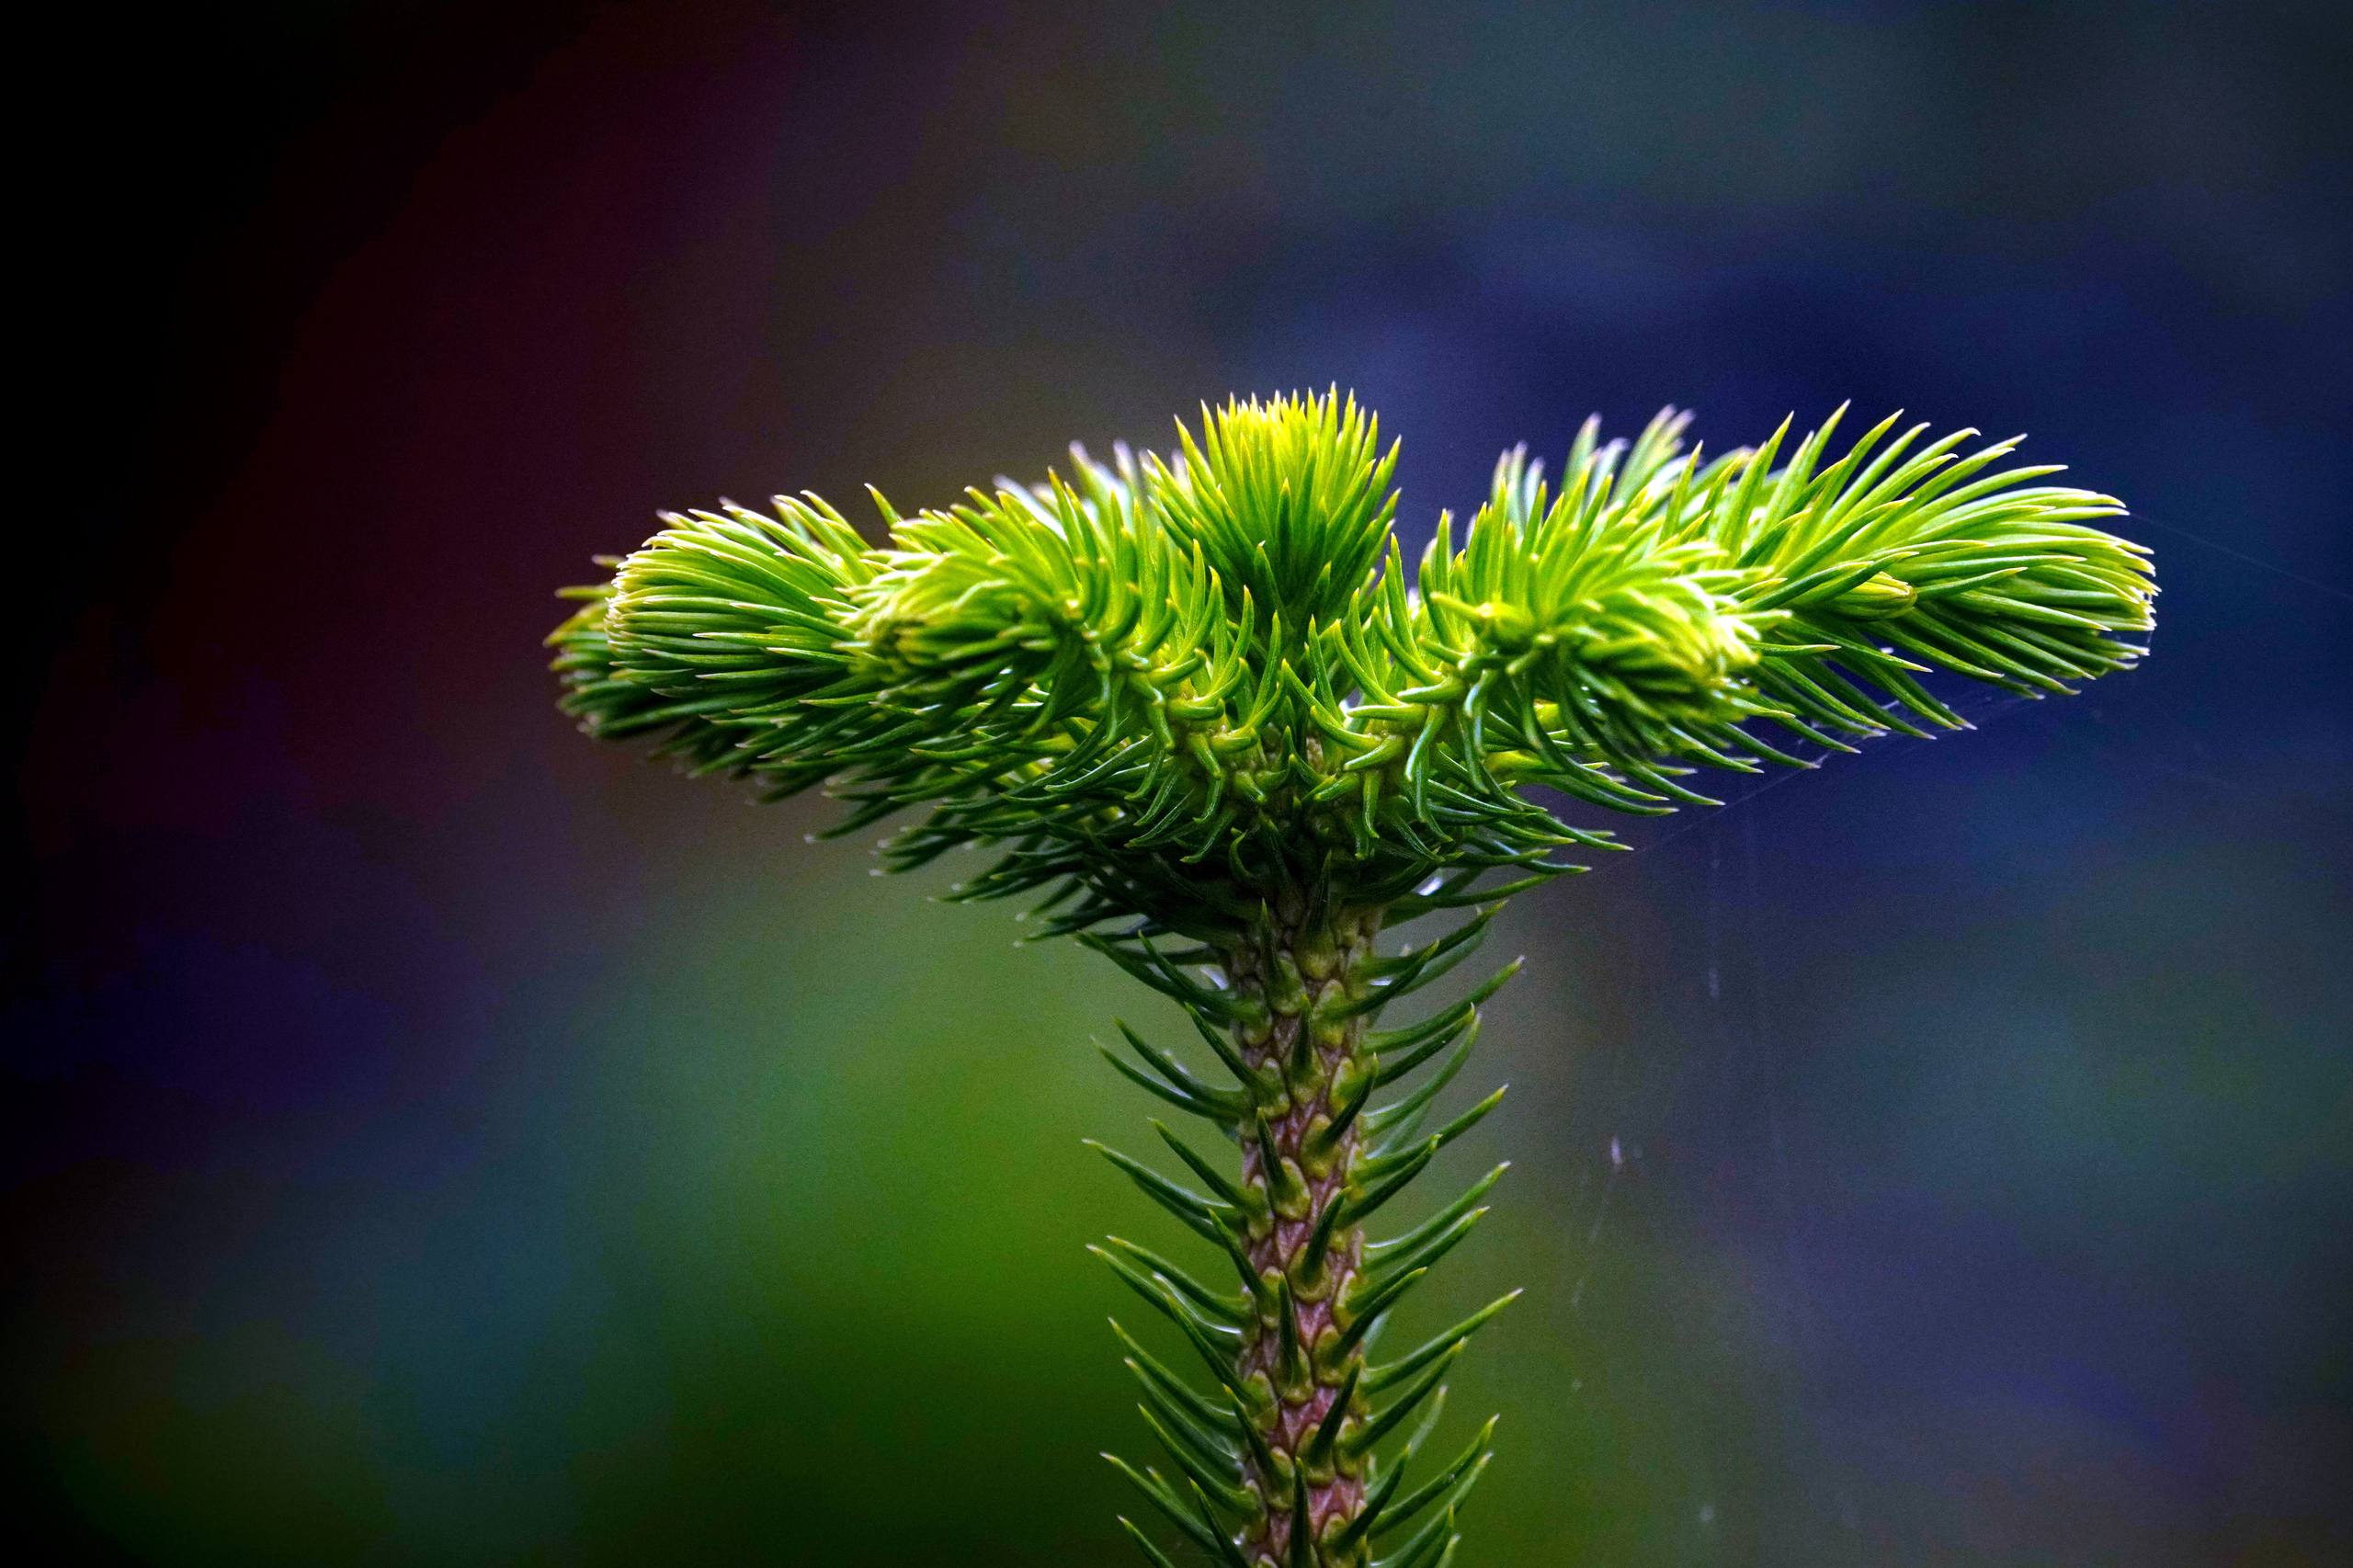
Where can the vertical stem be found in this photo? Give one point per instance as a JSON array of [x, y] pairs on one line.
[[1295, 1158]]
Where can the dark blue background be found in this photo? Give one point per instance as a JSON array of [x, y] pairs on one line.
[[430, 1138]]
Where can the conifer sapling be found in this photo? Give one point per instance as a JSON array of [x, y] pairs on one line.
[[1203, 712]]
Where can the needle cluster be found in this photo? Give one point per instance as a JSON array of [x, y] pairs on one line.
[[1200, 709]]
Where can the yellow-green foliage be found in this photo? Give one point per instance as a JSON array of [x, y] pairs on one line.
[[1219, 661]]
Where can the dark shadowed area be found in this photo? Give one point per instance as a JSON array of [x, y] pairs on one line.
[[432, 1139]]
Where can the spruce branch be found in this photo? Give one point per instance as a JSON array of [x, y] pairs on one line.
[[1209, 721]]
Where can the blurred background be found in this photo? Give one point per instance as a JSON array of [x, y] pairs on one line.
[[432, 1139]]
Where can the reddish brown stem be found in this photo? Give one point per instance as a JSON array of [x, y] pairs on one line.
[[1300, 1165]]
